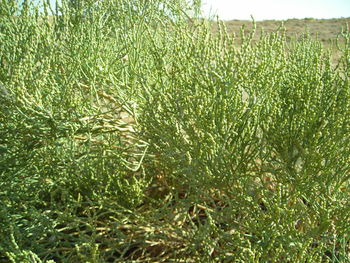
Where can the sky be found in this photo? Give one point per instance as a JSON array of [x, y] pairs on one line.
[[276, 9], [272, 9]]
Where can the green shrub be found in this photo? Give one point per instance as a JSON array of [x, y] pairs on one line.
[[129, 131]]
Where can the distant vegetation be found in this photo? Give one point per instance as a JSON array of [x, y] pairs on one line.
[[324, 30], [128, 134]]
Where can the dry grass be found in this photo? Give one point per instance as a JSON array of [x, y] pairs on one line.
[[324, 29]]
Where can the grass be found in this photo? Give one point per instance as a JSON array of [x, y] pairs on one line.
[[128, 135], [326, 30]]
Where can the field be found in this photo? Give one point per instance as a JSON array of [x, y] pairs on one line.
[[128, 134], [324, 30]]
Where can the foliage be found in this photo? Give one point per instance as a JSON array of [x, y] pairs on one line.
[[131, 133]]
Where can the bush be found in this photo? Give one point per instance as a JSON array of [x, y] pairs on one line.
[[129, 131]]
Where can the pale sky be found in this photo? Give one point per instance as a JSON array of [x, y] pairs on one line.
[[276, 9], [271, 9]]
